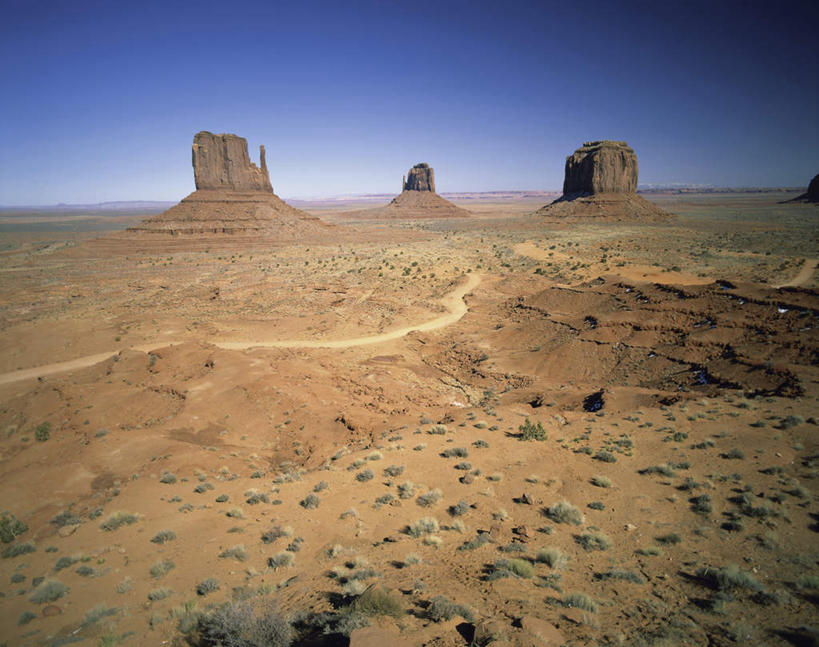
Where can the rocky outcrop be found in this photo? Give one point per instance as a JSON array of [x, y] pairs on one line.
[[420, 178], [812, 194], [221, 162], [601, 184], [600, 167]]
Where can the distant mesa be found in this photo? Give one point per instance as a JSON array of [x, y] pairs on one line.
[[233, 196], [812, 194], [600, 183], [417, 199]]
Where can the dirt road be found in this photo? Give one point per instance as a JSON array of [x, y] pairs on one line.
[[454, 302]]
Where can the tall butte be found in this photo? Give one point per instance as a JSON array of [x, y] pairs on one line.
[[600, 183], [417, 199], [233, 196]]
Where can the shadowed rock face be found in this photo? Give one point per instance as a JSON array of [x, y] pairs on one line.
[[421, 178], [600, 167], [222, 162], [812, 194]]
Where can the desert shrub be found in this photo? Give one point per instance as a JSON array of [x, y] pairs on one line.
[[275, 533], [430, 498], [423, 526], [406, 490], [593, 541], [650, 551], [459, 509], [98, 612], [119, 519], [596, 505], [808, 582], [480, 444], [622, 576], [255, 622], [18, 549], [364, 475], [374, 456], [310, 502], [222, 498], [25, 618], [321, 485], [553, 557], [160, 594], [479, 540], [457, 452], [729, 578], [579, 601], [736, 454], [207, 586], [702, 504], [464, 466], [384, 499], [529, 431], [162, 568], [167, 478], [124, 586], [203, 487], [412, 559], [10, 527], [48, 591], [235, 513], [442, 608], [280, 560], [237, 552], [671, 539], [438, 430], [394, 470], [605, 456], [601, 481], [17, 578], [42, 432], [565, 512], [86, 571], [162, 536], [433, 540], [510, 568], [254, 497], [514, 547], [379, 601], [663, 470]]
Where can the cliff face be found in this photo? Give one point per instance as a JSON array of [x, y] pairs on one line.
[[812, 194], [600, 167], [420, 178], [222, 162]]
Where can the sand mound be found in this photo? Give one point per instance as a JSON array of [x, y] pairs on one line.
[[605, 207]]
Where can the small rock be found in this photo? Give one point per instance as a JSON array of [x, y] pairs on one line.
[[630, 527], [523, 531], [495, 532], [527, 498], [65, 531], [466, 479], [545, 633]]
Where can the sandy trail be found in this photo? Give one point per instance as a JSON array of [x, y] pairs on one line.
[[804, 275], [454, 302]]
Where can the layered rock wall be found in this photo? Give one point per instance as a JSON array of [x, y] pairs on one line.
[[222, 162], [420, 178], [601, 167]]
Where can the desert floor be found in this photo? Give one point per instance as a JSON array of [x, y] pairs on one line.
[[300, 422]]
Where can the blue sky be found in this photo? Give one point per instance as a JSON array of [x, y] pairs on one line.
[[100, 100]]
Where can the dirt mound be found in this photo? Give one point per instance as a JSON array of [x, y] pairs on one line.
[[604, 207], [413, 205]]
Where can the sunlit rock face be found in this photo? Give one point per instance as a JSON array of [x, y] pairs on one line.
[[600, 167], [222, 162]]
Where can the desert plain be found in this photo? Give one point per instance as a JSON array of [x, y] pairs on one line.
[[502, 429]]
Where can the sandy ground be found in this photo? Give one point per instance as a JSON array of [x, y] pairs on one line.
[[300, 422]]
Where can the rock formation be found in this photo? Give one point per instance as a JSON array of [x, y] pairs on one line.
[[600, 183], [420, 178], [812, 194], [601, 167], [222, 162], [233, 196], [416, 200]]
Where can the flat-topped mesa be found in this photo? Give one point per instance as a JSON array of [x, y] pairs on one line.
[[222, 162], [420, 178], [600, 167]]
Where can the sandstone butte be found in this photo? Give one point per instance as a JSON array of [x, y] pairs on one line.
[[600, 183], [417, 199], [233, 196]]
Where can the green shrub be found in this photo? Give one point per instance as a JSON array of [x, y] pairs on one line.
[[593, 541], [18, 549], [160, 594], [579, 601], [310, 502], [379, 601], [553, 557], [237, 552], [10, 527], [162, 568], [729, 578], [364, 475], [529, 431], [167, 478], [163, 536], [430, 498], [42, 432], [442, 608], [119, 519], [207, 586]]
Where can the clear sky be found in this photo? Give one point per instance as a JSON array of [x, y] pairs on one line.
[[99, 100]]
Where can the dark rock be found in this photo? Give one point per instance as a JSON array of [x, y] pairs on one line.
[[600, 167], [812, 194], [420, 178], [222, 162]]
